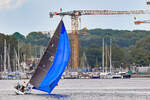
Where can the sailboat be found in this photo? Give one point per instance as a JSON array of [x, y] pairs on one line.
[[52, 63]]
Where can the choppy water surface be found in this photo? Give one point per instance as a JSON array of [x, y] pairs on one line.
[[85, 89]]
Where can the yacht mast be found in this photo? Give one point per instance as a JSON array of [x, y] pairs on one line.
[[5, 48], [8, 59], [16, 66], [106, 56], [103, 57], [18, 58], [82, 64], [110, 56], [1, 65]]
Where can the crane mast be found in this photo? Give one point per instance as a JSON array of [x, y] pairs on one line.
[[74, 25], [74, 43]]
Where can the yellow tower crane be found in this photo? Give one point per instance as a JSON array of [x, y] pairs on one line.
[[75, 14]]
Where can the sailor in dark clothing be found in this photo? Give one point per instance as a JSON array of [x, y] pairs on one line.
[[18, 86], [21, 87]]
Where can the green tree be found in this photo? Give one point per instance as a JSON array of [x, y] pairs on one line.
[[94, 52], [141, 51], [117, 56], [37, 38], [19, 36]]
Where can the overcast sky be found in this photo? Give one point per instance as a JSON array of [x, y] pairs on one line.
[[25, 16]]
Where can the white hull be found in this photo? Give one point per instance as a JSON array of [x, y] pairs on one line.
[[18, 92]]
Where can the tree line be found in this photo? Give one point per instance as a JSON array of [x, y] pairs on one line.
[[128, 47]]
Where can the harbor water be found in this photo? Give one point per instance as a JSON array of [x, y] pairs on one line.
[[84, 89]]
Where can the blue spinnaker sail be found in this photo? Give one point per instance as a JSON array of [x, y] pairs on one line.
[[59, 63]]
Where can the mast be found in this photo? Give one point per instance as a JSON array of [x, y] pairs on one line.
[[16, 66], [8, 59], [41, 51], [1, 61], [96, 62], [103, 57], [13, 62], [5, 48], [82, 63], [106, 57], [18, 58], [85, 59], [110, 56]]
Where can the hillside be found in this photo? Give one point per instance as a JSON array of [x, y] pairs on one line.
[[123, 38], [128, 47]]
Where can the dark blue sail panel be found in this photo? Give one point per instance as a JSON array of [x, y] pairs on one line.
[[59, 64]]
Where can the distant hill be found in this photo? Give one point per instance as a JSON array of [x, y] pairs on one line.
[[128, 47], [123, 38]]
